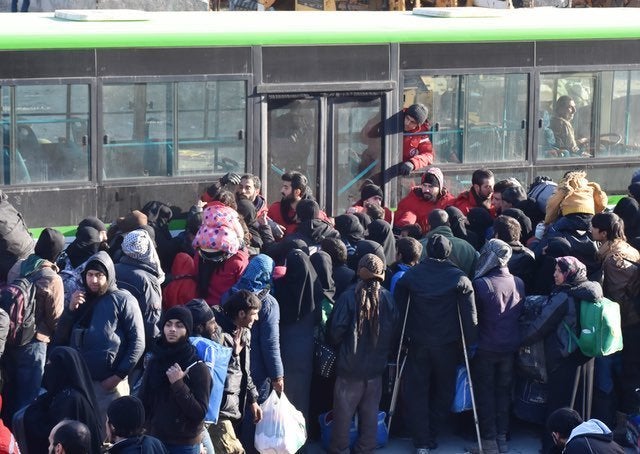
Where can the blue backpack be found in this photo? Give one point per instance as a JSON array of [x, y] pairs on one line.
[[216, 357]]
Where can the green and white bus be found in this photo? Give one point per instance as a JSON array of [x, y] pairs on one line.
[[103, 114]]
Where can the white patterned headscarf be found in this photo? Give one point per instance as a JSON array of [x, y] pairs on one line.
[[138, 245]]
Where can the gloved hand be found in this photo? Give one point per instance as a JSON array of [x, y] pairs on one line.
[[230, 177], [405, 168]]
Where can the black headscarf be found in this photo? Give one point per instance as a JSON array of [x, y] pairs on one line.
[[50, 244], [299, 291], [350, 228], [86, 244], [323, 265], [458, 223], [363, 248], [65, 370], [380, 231]]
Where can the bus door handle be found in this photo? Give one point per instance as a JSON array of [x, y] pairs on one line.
[[436, 127], [105, 139], [85, 140], [539, 123], [523, 124]]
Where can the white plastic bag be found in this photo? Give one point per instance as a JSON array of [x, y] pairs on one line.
[[282, 428]]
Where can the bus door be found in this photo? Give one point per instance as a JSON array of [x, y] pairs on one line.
[[335, 139]]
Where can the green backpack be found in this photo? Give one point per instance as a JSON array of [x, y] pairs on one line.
[[601, 332]]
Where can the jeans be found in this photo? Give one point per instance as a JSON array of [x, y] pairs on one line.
[[492, 375], [430, 386], [351, 395], [25, 6], [25, 367], [182, 449]]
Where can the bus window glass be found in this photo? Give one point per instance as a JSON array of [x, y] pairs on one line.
[[138, 130], [566, 113], [474, 118], [357, 145], [619, 114], [45, 134], [292, 140], [211, 127]]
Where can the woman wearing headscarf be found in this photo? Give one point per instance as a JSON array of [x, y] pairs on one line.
[[499, 296], [557, 321], [629, 210], [458, 223], [362, 326], [351, 231], [140, 273], [267, 371], [260, 231], [176, 386], [312, 229], [69, 395], [298, 293], [380, 231]]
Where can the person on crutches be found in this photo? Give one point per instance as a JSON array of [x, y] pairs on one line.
[[438, 291]]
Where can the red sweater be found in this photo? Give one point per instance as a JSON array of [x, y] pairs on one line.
[[417, 149], [276, 216], [413, 209], [465, 201]]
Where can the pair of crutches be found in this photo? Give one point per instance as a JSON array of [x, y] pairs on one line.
[[400, 369], [584, 372]]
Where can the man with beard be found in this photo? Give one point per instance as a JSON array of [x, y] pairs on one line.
[[563, 132], [498, 188], [249, 188], [422, 200], [294, 189], [479, 195], [104, 324]]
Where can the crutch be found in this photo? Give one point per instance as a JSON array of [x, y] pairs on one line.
[[473, 399], [399, 369]]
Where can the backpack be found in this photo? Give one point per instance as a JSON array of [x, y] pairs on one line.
[[541, 192], [18, 300], [600, 328], [216, 357]]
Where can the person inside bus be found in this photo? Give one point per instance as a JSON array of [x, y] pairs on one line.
[[417, 150], [565, 141]]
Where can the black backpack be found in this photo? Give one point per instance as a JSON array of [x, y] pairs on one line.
[[18, 300]]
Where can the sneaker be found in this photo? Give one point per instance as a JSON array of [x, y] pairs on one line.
[[503, 446]]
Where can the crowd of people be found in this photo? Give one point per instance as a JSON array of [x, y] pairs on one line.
[[111, 354]]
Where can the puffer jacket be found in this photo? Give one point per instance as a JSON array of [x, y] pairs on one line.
[[621, 283], [138, 445], [108, 331], [142, 282], [558, 316], [358, 357]]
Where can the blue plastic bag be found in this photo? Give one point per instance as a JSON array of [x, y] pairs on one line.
[[326, 420], [462, 399], [216, 357]]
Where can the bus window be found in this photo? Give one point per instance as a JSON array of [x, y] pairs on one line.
[[619, 114], [293, 131], [476, 118], [45, 133], [566, 113], [357, 145], [137, 130], [211, 127]]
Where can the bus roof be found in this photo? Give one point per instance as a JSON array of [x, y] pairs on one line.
[[195, 29]]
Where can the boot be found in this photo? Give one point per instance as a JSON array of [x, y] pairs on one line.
[[488, 447], [503, 446]]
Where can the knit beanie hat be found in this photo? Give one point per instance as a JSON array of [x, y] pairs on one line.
[[371, 267], [307, 209], [94, 222], [433, 176], [634, 190], [201, 313], [179, 313], [635, 178], [126, 415], [438, 247], [50, 244], [132, 221], [573, 270], [419, 112], [96, 265], [370, 190]]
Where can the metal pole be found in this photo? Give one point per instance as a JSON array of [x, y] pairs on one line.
[[473, 399]]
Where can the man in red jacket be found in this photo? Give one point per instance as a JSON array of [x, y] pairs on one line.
[[479, 195], [417, 151], [423, 199]]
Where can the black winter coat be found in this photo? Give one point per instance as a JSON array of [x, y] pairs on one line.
[[138, 445]]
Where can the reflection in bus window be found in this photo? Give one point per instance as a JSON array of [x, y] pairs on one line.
[[620, 114], [566, 114], [139, 128], [292, 140], [45, 133], [475, 118], [357, 145]]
